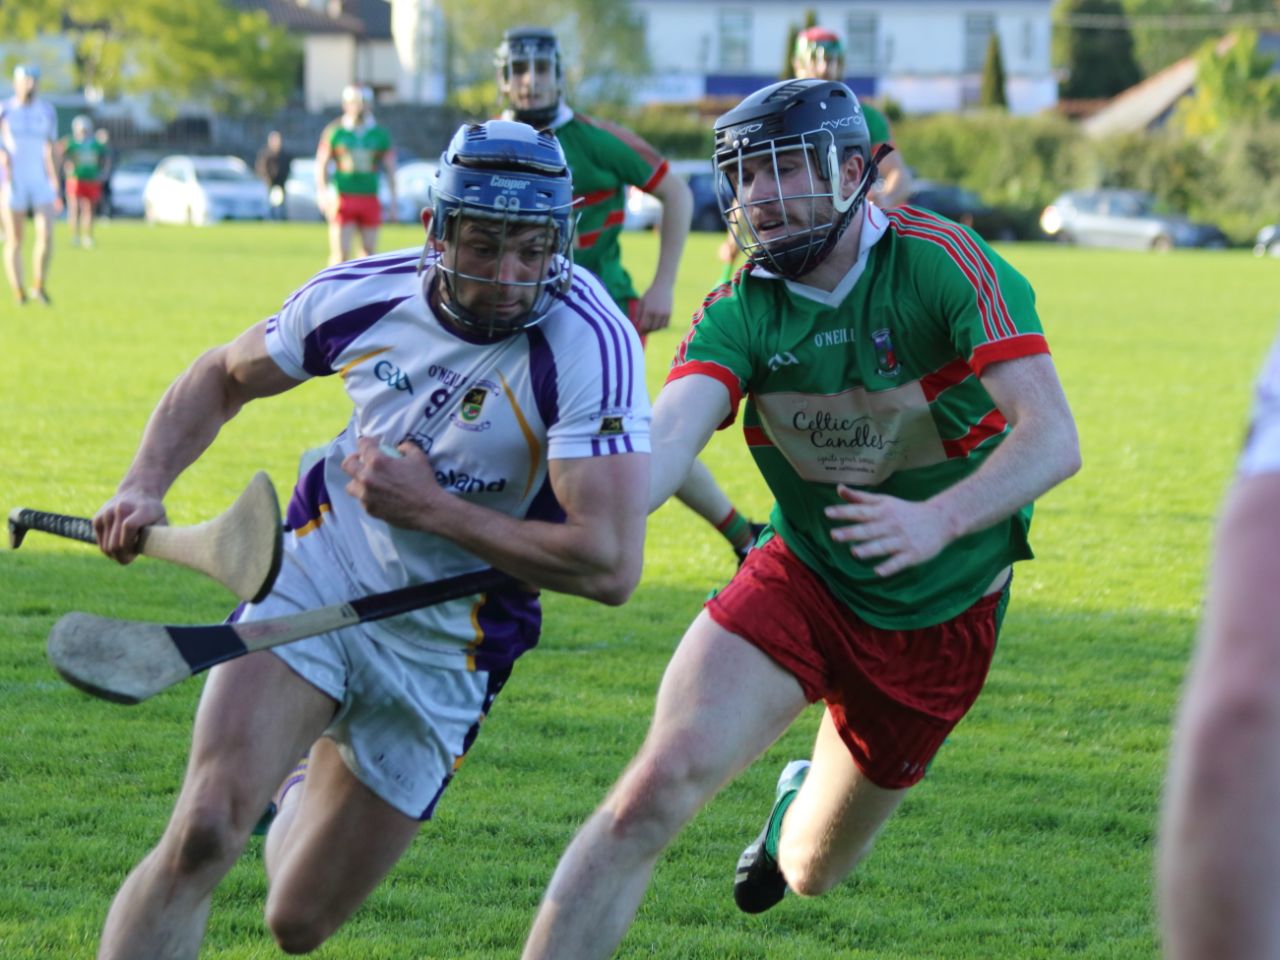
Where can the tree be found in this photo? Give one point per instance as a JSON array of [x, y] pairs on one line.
[[1098, 60], [793, 32], [1234, 87], [993, 92], [204, 50], [1167, 30]]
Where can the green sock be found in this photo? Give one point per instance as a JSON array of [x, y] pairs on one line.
[[736, 529], [774, 833]]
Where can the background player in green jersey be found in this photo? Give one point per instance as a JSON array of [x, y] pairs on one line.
[[360, 150], [84, 164], [605, 159], [819, 54], [902, 405]]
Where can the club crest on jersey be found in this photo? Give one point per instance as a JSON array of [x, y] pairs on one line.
[[473, 403], [886, 360], [610, 426]]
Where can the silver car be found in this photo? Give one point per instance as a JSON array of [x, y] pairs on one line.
[[1130, 219]]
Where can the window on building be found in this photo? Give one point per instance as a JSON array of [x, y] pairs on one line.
[[735, 39], [978, 28], [862, 33]]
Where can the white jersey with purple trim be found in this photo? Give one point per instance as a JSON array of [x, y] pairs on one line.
[[1262, 447], [25, 128], [489, 415]]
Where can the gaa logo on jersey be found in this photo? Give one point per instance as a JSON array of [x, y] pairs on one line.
[[886, 360]]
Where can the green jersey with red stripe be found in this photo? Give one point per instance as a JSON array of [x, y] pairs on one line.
[[605, 159], [875, 385], [86, 157], [358, 153]]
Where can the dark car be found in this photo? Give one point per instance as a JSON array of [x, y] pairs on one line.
[[966, 207], [1131, 219]]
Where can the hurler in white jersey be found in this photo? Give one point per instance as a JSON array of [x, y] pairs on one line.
[[28, 179], [500, 420]]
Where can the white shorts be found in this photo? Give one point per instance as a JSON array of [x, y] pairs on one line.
[[22, 194], [402, 727]]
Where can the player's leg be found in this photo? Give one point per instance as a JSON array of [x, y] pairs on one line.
[[721, 703], [834, 819], [14, 225], [42, 253], [369, 241], [701, 494], [329, 847], [339, 234], [86, 220], [256, 716], [73, 213]]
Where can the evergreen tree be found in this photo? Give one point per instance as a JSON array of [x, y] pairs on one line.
[[1099, 60], [993, 92]]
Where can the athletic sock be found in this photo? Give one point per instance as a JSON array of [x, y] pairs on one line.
[[736, 529]]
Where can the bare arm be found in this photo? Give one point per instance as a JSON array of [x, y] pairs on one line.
[[1219, 855], [685, 416], [677, 213], [183, 425], [596, 552], [389, 167], [1040, 451], [324, 154]]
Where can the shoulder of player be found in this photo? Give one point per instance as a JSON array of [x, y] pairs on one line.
[[934, 242], [601, 130], [586, 318], [349, 287]]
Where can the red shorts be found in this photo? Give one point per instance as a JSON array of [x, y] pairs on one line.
[[362, 209], [90, 190], [894, 695]]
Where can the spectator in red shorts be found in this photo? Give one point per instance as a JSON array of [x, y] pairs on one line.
[[84, 163]]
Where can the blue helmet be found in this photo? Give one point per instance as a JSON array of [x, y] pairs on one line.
[[821, 119], [505, 173]]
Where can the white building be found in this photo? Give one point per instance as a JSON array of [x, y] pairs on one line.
[[925, 54]]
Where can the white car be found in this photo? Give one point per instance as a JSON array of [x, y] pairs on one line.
[[129, 176], [204, 190]]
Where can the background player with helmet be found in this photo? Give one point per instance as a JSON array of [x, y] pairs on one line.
[[916, 416], [28, 180], [500, 421], [605, 160], [819, 54], [85, 164], [360, 150]]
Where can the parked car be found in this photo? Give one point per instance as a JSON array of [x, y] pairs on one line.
[[129, 175], [1268, 241], [966, 207], [203, 190], [300, 190], [1124, 218], [644, 211]]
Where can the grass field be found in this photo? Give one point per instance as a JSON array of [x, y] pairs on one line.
[[1031, 838]]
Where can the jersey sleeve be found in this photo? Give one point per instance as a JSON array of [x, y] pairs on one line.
[[602, 401], [988, 306], [309, 332], [1261, 452], [717, 344], [628, 155]]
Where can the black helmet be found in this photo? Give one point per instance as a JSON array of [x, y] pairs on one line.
[[530, 46], [823, 119]]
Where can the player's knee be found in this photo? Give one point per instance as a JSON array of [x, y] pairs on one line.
[[205, 838], [295, 928], [664, 788]]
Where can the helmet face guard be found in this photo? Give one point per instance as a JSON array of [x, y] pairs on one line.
[[779, 161], [502, 208], [530, 56]]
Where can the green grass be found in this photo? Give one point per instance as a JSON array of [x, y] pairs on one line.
[[1032, 836]]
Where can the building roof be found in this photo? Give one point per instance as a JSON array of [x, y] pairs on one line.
[[299, 18], [1143, 104]]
